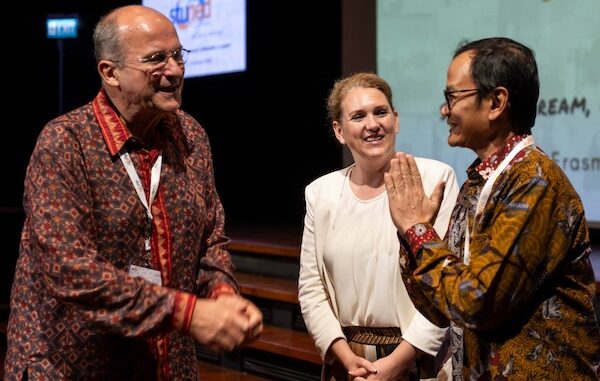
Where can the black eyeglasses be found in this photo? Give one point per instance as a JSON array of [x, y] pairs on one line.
[[450, 97]]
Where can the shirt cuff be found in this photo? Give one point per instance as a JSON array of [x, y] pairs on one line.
[[222, 289], [418, 235], [183, 309], [424, 335]]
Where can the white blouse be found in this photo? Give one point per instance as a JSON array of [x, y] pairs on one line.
[[361, 254]]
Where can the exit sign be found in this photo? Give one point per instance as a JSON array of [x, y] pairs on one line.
[[65, 27]]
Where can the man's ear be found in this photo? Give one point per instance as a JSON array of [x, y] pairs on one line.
[[499, 102], [107, 71]]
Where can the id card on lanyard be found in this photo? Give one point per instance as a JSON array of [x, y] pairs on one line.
[[148, 273]]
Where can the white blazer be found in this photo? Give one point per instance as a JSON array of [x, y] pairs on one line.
[[315, 292]]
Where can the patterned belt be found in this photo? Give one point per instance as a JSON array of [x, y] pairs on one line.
[[373, 336]]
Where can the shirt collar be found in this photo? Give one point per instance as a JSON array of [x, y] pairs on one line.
[[486, 167], [115, 133], [113, 130]]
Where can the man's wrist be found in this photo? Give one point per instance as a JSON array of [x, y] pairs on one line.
[[222, 289], [418, 234], [183, 309]]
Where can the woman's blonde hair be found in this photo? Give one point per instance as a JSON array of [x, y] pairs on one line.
[[343, 86]]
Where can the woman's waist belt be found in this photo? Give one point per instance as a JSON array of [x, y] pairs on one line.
[[373, 336]]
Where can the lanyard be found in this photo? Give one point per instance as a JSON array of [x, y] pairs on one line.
[[139, 189], [487, 189]]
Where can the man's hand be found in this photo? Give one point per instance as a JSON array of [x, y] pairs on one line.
[[408, 203], [255, 321], [225, 323]]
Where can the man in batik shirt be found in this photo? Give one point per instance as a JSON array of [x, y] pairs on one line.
[[513, 275], [123, 264]]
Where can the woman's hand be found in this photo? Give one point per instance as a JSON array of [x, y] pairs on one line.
[[355, 365]]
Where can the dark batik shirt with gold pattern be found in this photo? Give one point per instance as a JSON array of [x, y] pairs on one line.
[[76, 314], [522, 309]]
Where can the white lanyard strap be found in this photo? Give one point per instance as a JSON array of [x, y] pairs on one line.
[[487, 189], [139, 188], [137, 183]]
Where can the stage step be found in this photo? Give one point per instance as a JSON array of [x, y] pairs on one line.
[[268, 241], [266, 287], [213, 372], [267, 264], [287, 342]]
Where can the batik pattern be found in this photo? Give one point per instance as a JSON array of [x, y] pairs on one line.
[[75, 311], [523, 306]]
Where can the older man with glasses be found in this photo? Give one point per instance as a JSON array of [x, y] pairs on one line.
[[123, 265]]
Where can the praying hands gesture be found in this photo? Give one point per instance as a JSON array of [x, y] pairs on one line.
[[409, 205]]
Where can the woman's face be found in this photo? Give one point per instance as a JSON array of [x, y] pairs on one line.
[[368, 125]]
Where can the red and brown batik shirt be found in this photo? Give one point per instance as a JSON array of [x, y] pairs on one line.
[[75, 311]]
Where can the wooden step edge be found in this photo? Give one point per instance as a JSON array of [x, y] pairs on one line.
[[271, 288], [288, 343], [245, 245], [212, 372]]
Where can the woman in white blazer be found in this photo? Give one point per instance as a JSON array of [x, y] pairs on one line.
[[351, 293]]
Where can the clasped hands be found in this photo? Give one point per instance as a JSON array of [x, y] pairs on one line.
[[409, 205], [226, 322], [387, 368]]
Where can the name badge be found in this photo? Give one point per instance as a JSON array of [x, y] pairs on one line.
[[151, 275]]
